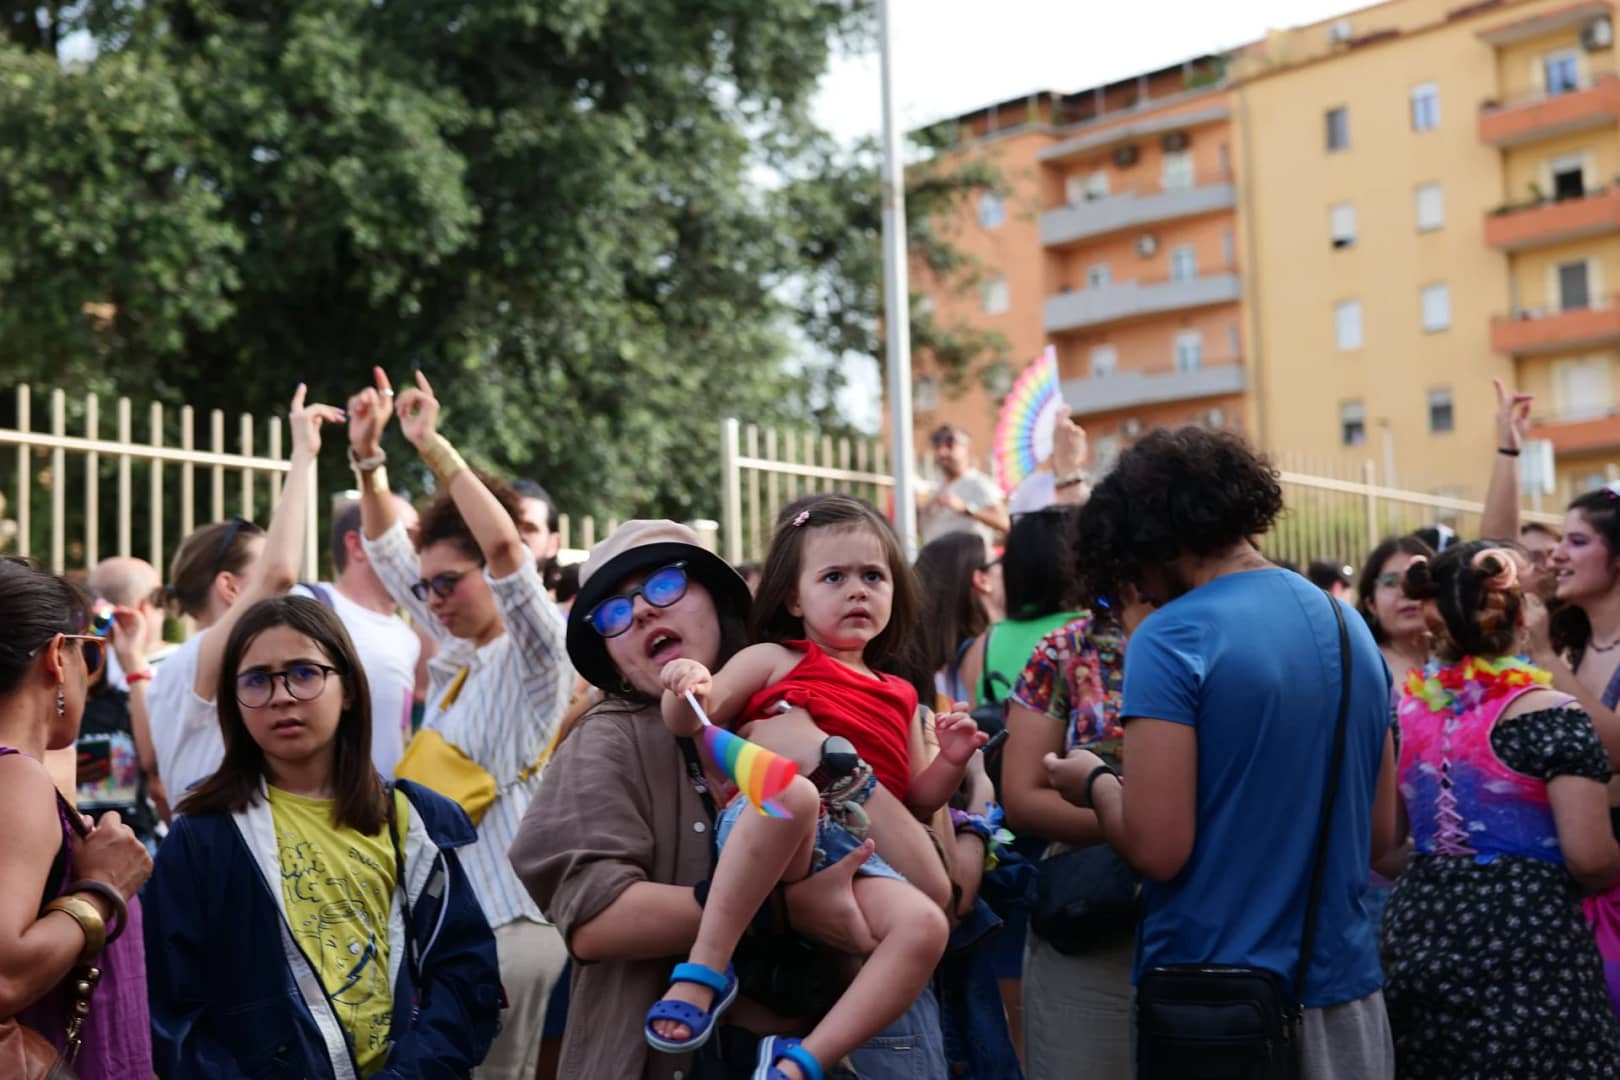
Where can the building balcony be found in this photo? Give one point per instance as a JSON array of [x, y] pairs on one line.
[[1121, 300], [1135, 389], [1132, 209], [1535, 332], [1572, 436], [1548, 222], [1546, 116]]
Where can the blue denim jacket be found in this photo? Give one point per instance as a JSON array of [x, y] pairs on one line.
[[233, 996]]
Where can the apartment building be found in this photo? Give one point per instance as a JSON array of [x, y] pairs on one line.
[[1116, 242]]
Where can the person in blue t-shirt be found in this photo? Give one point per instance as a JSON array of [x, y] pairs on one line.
[[1230, 705]]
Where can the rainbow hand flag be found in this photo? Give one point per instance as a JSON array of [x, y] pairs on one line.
[[759, 774]]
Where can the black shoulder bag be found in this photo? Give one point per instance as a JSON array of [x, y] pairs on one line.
[[1209, 1022]]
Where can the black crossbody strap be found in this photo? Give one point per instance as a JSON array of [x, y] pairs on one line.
[[700, 784], [1329, 797]]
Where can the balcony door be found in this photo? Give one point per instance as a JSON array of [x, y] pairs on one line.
[[1562, 71], [1574, 286], [1583, 388]]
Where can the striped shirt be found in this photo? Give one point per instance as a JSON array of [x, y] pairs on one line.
[[503, 713]]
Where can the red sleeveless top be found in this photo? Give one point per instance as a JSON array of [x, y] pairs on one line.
[[873, 714]]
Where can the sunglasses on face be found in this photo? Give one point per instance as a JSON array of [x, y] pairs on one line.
[[662, 588], [441, 585], [304, 682]]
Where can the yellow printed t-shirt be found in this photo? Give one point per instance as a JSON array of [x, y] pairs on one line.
[[339, 890]]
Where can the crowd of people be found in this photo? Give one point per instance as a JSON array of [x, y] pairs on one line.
[[459, 811]]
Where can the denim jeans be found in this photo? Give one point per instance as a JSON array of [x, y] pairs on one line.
[[911, 1048], [973, 1018]]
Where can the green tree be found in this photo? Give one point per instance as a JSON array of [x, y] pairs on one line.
[[551, 208]]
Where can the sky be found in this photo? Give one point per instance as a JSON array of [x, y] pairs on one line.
[[953, 56]]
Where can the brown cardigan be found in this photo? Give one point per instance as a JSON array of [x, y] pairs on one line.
[[614, 807]]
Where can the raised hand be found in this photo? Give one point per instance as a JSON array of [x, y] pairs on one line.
[[681, 676], [305, 423], [1512, 416], [129, 638], [958, 735], [369, 413], [1070, 447], [418, 412]]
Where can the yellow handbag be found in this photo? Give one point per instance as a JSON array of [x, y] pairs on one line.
[[434, 763]]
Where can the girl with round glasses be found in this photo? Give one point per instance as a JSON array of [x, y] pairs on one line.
[[304, 919]]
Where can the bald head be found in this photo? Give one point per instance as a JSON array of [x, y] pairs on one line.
[[124, 581]]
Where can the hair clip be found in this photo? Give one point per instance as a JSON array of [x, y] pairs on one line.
[[804, 516], [1505, 578]]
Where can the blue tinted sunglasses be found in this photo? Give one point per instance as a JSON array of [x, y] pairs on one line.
[[662, 588]]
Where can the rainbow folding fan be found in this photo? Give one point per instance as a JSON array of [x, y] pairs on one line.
[[1023, 436]]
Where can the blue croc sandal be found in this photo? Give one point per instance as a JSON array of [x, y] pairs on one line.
[[774, 1048], [701, 1023]]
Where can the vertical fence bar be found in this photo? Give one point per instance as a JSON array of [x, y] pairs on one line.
[[126, 495], [756, 545], [811, 484], [274, 424], [827, 462], [863, 448], [92, 482], [155, 506], [773, 486], [731, 489], [188, 472], [216, 443], [247, 470], [58, 484], [25, 516], [565, 531]]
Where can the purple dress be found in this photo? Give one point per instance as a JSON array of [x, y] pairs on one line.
[[116, 1043]]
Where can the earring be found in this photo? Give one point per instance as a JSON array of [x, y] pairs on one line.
[[61, 702]]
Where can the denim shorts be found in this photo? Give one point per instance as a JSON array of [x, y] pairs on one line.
[[833, 842]]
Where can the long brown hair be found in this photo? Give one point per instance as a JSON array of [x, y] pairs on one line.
[[223, 547], [952, 612], [771, 620], [359, 802]]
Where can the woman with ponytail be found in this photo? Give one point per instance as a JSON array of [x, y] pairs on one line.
[[1490, 968]]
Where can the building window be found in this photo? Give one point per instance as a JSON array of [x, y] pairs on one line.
[[1338, 128], [1431, 208], [1189, 350], [1098, 276], [1425, 107], [1225, 157], [1234, 341], [1178, 170], [1347, 324], [1352, 423], [924, 395], [997, 379], [1441, 418], [1568, 175], [1562, 71], [1183, 262], [1084, 189], [1574, 287], [1342, 223], [1436, 308], [1582, 389], [997, 297], [992, 211], [1228, 249], [1104, 361], [1104, 454]]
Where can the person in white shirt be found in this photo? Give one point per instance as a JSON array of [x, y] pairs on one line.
[[387, 645], [219, 572], [498, 686], [965, 498]]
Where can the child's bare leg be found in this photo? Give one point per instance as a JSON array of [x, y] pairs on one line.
[[911, 932], [905, 844], [760, 852]]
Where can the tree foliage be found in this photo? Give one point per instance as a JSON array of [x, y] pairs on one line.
[[554, 208]]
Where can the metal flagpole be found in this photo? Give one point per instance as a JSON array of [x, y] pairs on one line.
[[897, 301]]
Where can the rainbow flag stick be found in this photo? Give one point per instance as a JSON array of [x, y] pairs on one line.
[[758, 773]]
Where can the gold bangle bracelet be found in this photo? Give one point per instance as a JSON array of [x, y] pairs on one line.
[[376, 480], [442, 458], [90, 921]]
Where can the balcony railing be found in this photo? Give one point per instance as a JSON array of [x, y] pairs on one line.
[[1581, 433], [1136, 207], [1135, 389], [1546, 114], [1129, 299], [1544, 222], [1534, 331]]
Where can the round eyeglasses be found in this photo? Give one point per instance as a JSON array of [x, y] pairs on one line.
[[304, 682], [662, 588]]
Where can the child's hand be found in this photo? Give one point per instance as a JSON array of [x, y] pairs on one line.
[[681, 676], [958, 735]]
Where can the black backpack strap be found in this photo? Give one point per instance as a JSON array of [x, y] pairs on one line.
[[1329, 797]]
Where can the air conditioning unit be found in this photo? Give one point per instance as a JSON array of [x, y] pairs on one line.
[[1127, 155], [1176, 141], [1147, 245], [1597, 34], [1131, 428], [1339, 32]]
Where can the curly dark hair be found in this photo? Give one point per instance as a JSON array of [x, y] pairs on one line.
[[1190, 491], [1471, 599], [442, 521]]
